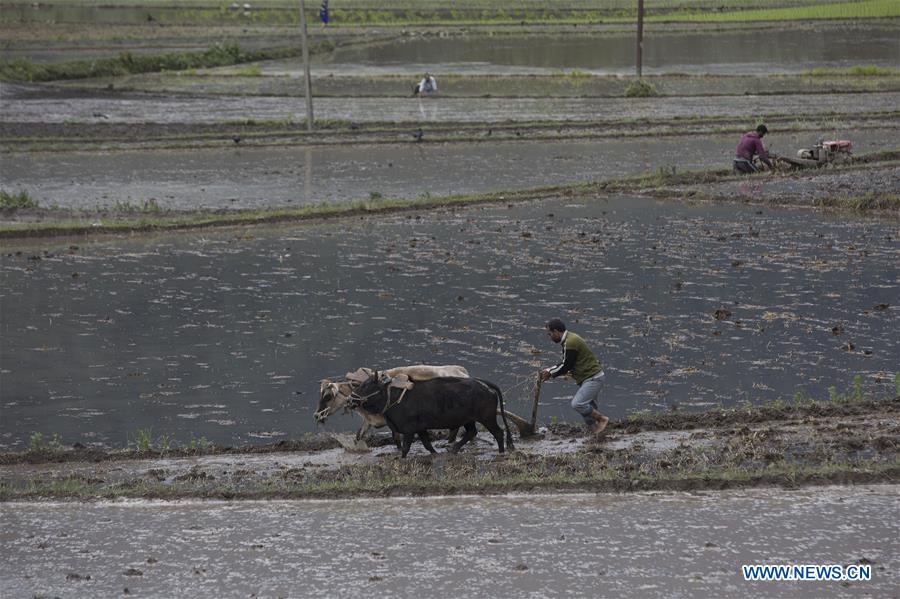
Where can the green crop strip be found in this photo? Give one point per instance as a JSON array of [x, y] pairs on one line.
[[127, 63]]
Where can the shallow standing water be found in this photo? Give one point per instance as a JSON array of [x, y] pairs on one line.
[[638, 545], [248, 177], [733, 52], [225, 334]]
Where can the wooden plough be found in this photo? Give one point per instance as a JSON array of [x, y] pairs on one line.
[[527, 428]]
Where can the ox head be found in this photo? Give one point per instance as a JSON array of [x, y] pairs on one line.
[[370, 394], [333, 396]]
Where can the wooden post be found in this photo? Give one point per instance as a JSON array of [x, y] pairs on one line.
[[534, 408], [303, 36], [640, 37]]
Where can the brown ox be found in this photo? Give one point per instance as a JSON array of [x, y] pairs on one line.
[[334, 394]]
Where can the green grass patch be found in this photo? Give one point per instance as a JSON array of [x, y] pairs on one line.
[[871, 9], [677, 469], [38, 443], [575, 74], [17, 200], [859, 70], [284, 13], [252, 70], [150, 206], [854, 394], [641, 89], [862, 203], [127, 63]]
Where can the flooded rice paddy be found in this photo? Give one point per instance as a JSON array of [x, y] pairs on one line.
[[248, 177], [635, 545], [40, 104], [225, 334], [737, 51], [733, 52]]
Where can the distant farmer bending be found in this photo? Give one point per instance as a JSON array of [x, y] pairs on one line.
[[750, 145], [427, 85], [578, 360]]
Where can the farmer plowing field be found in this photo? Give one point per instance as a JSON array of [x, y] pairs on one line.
[[580, 363], [749, 147]]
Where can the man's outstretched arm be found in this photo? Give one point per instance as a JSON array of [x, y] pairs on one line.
[[566, 365], [763, 154]]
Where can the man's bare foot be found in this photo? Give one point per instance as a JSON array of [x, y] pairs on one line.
[[599, 426]]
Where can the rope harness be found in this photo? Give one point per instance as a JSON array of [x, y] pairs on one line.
[[357, 401]]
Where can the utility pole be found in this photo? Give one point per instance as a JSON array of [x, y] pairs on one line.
[[640, 37], [309, 106]]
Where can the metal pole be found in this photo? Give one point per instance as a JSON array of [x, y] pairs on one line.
[[640, 37], [309, 106]]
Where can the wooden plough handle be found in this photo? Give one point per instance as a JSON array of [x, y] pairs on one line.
[[537, 398]]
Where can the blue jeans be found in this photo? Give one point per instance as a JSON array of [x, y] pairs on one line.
[[586, 397], [742, 165]]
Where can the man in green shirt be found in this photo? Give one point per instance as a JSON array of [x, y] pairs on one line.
[[580, 363]]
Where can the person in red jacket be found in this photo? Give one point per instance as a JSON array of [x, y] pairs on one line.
[[750, 145]]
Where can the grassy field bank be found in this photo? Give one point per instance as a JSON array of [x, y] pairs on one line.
[[782, 443], [466, 12]]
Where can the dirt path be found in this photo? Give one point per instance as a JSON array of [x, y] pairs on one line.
[[814, 444]]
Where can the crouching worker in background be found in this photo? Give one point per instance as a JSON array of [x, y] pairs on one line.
[[751, 145]]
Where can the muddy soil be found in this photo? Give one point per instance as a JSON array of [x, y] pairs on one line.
[[772, 443], [230, 80], [216, 334], [109, 137], [640, 545], [45, 104], [244, 176], [801, 188]]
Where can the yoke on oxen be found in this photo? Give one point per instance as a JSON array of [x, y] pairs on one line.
[[334, 395], [397, 381]]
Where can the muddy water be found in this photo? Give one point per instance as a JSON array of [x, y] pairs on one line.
[[225, 334], [751, 51], [29, 104], [640, 545], [247, 177]]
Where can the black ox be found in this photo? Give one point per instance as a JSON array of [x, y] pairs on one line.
[[435, 404]]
